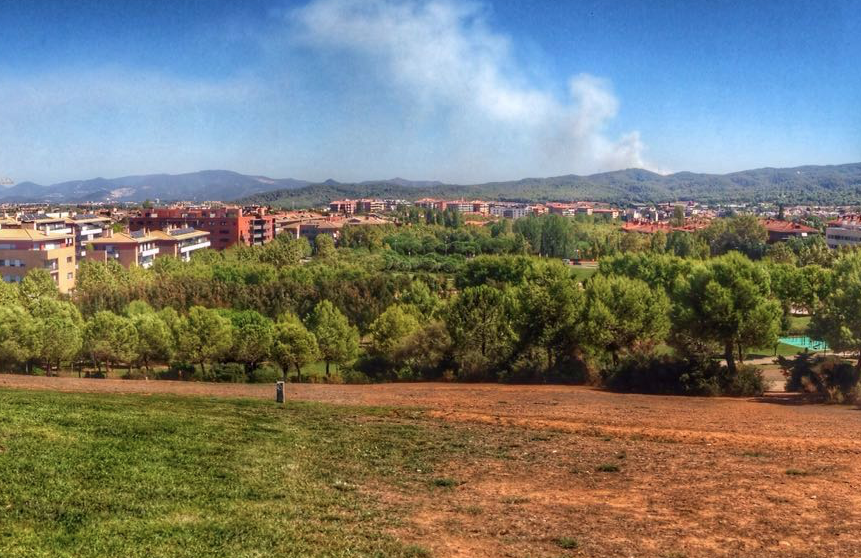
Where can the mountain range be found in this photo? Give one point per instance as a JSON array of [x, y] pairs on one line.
[[832, 184]]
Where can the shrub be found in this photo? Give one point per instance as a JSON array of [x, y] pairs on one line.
[[799, 373], [829, 376], [178, 371], [228, 372], [840, 379], [265, 375], [664, 374], [135, 375], [748, 381]]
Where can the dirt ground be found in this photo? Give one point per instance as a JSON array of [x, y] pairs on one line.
[[583, 472]]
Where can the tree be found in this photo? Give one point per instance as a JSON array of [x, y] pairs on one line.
[[252, 338], [155, 338], [293, 345], [678, 219], [392, 327], [9, 294], [111, 339], [203, 336], [625, 314], [728, 300], [837, 320], [324, 246], [742, 233], [19, 335], [38, 284], [478, 320], [549, 312], [337, 339], [60, 330]]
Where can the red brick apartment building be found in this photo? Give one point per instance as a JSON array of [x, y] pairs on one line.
[[226, 225]]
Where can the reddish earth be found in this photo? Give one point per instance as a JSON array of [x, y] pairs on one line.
[[697, 477]]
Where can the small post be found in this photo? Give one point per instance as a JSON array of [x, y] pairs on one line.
[[279, 392]]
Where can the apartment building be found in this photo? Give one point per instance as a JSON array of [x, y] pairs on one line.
[[86, 228], [180, 243], [25, 249], [784, 230], [132, 249], [45, 223], [226, 225], [844, 231]]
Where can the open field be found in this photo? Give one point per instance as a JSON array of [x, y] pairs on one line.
[[420, 470]]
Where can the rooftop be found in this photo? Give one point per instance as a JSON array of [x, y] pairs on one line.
[[29, 234], [137, 237], [775, 225], [178, 234]]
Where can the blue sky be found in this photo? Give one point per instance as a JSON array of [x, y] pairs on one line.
[[456, 91]]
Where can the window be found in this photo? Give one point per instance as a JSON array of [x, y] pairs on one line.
[[68, 259], [70, 276]]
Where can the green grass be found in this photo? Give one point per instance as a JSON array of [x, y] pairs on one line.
[[110, 475], [580, 273], [798, 325], [782, 350]]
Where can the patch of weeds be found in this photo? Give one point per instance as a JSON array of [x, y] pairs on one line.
[[515, 500], [754, 454], [445, 483], [415, 551], [796, 473], [568, 543], [473, 510], [607, 468]]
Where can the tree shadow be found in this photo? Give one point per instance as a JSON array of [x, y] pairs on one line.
[[790, 398]]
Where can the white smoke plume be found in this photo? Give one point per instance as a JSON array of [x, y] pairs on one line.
[[442, 57]]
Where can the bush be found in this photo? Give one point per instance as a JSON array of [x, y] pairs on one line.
[[748, 381], [228, 372], [178, 371], [664, 374], [829, 376], [840, 379], [799, 373], [136, 374], [265, 375]]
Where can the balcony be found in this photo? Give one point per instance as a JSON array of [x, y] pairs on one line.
[[148, 253], [57, 230], [195, 246]]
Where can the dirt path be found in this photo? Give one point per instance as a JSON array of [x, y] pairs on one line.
[[618, 474]]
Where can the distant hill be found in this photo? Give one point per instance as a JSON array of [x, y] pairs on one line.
[[834, 184], [195, 186]]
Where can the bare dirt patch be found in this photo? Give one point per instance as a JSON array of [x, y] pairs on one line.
[[576, 471]]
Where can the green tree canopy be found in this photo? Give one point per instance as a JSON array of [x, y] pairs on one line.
[[111, 339], [837, 320], [728, 300], [392, 327], [625, 314], [203, 336], [20, 339], [293, 345], [337, 339]]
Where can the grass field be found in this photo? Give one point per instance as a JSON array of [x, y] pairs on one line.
[[86, 475]]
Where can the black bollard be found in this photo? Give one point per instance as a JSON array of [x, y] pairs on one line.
[[279, 392]]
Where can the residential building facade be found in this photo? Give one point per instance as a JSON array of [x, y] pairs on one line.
[[25, 249]]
